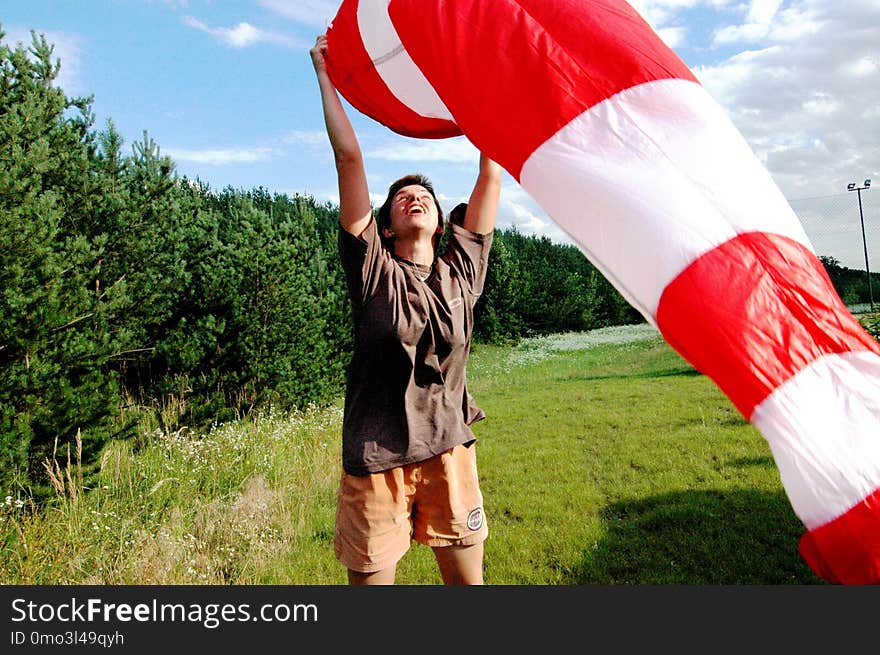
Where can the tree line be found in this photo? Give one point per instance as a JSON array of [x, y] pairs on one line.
[[851, 284], [126, 289]]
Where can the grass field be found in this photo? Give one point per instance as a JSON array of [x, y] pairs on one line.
[[619, 464], [605, 460]]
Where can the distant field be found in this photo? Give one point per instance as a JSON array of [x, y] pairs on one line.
[[605, 459], [863, 308]]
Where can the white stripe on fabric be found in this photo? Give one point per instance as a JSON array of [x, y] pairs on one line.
[[650, 179], [394, 65], [822, 429]]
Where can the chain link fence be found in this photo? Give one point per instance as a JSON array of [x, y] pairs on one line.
[[833, 225]]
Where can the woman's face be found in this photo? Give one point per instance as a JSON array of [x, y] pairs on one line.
[[413, 211]]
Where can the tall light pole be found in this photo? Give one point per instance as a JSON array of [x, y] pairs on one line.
[[852, 187]]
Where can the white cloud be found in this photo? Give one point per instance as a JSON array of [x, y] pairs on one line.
[[672, 36], [864, 67], [457, 150], [807, 99], [739, 33], [317, 13], [762, 11], [823, 104], [223, 156], [803, 100], [659, 13], [521, 217], [517, 209], [301, 137], [244, 35], [765, 19]]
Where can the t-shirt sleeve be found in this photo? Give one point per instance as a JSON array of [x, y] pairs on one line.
[[361, 258], [468, 255]]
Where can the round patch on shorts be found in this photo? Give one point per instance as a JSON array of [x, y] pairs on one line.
[[475, 519]]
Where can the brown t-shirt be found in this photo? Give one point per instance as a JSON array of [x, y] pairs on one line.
[[406, 398]]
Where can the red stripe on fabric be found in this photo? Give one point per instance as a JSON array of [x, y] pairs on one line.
[[753, 312], [353, 73], [514, 72], [847, 549]]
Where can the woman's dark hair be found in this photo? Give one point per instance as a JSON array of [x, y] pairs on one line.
[[383, 217], [456, 216]]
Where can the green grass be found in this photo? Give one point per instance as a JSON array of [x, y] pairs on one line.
[[605, 459], [620, 464]]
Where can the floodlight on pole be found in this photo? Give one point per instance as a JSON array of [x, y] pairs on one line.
[[858, 189]]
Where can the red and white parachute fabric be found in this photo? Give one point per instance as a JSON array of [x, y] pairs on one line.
[[615, 138]]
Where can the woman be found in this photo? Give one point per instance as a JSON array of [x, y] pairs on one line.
[[408, 451]]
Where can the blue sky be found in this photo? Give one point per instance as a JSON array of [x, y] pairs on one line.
[[227, 90]]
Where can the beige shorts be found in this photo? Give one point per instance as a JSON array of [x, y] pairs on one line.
[[436, 502]]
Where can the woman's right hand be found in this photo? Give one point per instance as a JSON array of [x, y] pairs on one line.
[[319, 54]]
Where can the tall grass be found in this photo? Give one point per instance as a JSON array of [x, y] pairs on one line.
[[605, 459], [249, 502], [871, 323]]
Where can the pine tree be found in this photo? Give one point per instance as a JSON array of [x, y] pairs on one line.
[[54, 334], [495, 317]]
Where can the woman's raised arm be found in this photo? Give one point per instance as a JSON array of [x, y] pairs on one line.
[[483, 204], [355, 211]]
